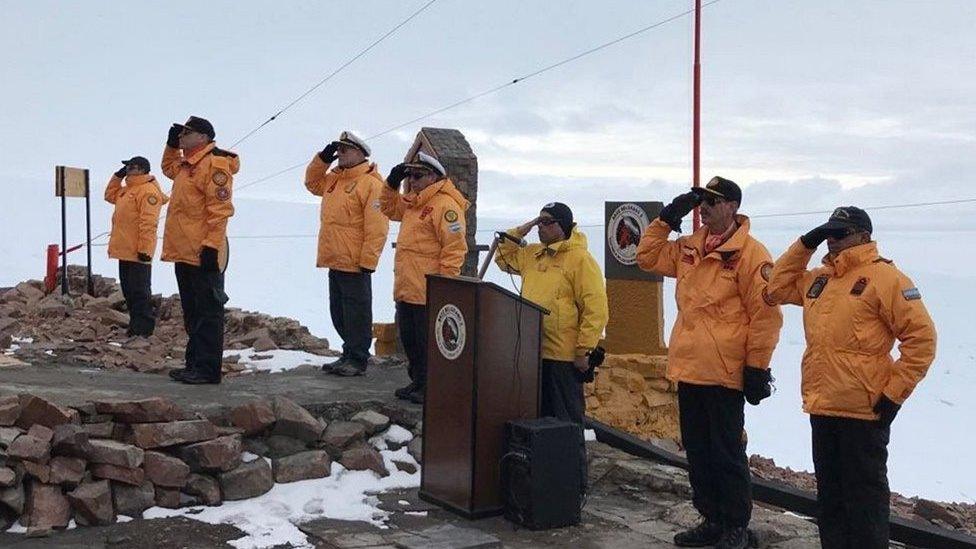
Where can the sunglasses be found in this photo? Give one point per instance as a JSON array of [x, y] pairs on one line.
[[417, 174], [548, 221], [712, 200]]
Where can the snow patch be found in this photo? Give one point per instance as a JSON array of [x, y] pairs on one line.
[[279, 360]]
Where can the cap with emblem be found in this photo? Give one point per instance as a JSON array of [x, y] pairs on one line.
[[849, 217], [721, 187], [138, 162], [352, 140], [199, 125], [427, 162], [562, 214]]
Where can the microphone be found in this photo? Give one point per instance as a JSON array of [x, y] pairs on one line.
[[519, 241]]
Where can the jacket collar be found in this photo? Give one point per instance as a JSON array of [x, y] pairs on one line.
[[852, 257], [446, 186], [136, 180], [354, 171], [730, 246], [198, 155], [576, 240]]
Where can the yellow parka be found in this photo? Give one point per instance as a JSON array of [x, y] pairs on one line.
[[725, 318], [352, 228], [136, 216], [854, 308], [200, 204], [432, 237], [565, 279]]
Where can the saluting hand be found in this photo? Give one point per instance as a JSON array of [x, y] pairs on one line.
[[524, 228], [328, 154], [121, 172], [173, 138], [397, 174], [681, 206]]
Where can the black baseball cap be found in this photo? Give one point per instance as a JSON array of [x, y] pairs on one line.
[[139, 162], [199, 125], [849, 217], [562, 214], [722, 188]]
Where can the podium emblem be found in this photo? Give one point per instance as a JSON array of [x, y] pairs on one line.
[[450, 331], [624, 230]]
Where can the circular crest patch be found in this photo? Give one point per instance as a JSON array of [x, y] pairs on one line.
[[624, 230], [450, 216], [450, 331], [223, 193], [152, 200], [219, 178]]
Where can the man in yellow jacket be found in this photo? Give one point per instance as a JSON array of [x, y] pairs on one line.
[[855, 306], [137, 199], [352, 233], [432, 240], [561, 275], [195, 239], [719, 352]]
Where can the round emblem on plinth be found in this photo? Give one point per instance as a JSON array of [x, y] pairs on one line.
[[624, 230], [449, 331]]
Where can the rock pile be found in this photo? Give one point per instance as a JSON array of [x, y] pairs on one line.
[[631, 393], [107, 458], [91, 329]]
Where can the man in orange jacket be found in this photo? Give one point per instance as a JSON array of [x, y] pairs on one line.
[[137, 199], [352, 233], [195, 239], [432, 240], [719, 352], [855, 306]]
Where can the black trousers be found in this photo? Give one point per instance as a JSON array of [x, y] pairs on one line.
[[136, 281], [351, 307], [850, 457], [562, 398], [412, 323], [202, 297], [712, 421]]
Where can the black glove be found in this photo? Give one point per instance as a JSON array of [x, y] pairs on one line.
[[328, 154], [886, 409], [121, 173], [208, 259], [173, 139], [594, 358], [367, 271], [816, 237], [678, 208], [145, 258], [396, 176], [757, 384]]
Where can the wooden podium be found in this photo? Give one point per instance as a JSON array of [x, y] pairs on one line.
[[483, 363]]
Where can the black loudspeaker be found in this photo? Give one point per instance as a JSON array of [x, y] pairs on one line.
[[542, 472]]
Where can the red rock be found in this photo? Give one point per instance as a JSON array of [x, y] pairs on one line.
[[204, 487], [67, 470], [405, 466], [249, 480], [164, 470], [148, 410], [219, 454], [363, 457], [158, 435], [41, 433], [115, 453], [7, 477], [253, 417], [107, 471], [70, 439], [303, 466], [92, 502], [28, 448], [130, 500], [291, 420], [340, 434], [9, 410], [37, 470], [47, 507], [35, 409], [99, 430], [168, 498]]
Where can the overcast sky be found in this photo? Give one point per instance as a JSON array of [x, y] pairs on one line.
[[802, 100]]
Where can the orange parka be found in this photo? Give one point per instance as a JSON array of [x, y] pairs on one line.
[[352, 228], [432, 237], [725, 319], [201, 202], [136, 216], [854, 308]]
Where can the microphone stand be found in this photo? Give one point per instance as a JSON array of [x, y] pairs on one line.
[[491, 255]]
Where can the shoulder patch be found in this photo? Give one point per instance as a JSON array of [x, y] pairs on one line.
[[152, 200], [817, 287], [450, 216], [911, 294], [220, 178], [223, 194], [222, 152], [766, 270]]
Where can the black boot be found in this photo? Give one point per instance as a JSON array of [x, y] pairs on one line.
[[330, 367], [178, 373], [350, 368], [417, 395], [197, 378], [734, 538], [404, 392], [705, 534]]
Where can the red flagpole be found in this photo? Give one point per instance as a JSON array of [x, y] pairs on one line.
[[696, 121]]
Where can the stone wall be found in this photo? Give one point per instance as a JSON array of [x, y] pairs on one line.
[[632, 394]]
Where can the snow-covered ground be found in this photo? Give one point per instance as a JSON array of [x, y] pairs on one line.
[[930, 452]]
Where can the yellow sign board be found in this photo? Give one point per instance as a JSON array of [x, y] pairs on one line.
[[70, 181]]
